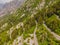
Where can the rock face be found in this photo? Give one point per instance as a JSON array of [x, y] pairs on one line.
[[36, 22], [10, 7]]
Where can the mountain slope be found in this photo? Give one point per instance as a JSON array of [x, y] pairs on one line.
[[36, 22], [10, 7]]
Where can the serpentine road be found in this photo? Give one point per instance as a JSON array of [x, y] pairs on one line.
[[54, 34]]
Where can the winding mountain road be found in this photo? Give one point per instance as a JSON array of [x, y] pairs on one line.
[[54, 34], [35, 38]]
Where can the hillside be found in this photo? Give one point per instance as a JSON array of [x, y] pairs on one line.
[[36, 22]]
